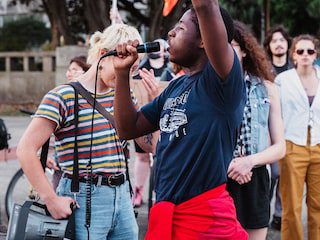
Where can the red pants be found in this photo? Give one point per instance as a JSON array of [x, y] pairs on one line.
[[210, 215]]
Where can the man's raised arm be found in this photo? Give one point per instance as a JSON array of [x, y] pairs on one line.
[[130, 123], [214, 35]]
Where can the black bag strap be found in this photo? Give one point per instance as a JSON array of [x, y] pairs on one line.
[[75, 173], [22, 220], [84, 93], [44, 154], [93, 102]]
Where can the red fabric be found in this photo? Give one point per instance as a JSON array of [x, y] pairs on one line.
[[168, 7], [160, 221], [210, 215]]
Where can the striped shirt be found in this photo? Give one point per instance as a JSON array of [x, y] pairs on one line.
[[107, 154]]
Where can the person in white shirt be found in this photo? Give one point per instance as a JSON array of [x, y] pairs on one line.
[[300, 102]]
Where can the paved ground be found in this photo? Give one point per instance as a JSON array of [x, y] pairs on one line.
[[16, 126]]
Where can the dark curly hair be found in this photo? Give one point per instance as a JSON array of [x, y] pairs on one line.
[[256, 61], [278, 28]]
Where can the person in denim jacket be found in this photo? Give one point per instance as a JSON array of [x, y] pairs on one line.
[[261, 137]]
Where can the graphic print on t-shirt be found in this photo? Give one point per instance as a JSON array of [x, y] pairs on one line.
[[175, 114]]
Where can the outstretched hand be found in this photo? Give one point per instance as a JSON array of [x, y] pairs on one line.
[[150, 83], [127, 56]]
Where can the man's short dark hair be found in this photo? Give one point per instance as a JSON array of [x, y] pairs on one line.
[[227, 19], [278, 28]]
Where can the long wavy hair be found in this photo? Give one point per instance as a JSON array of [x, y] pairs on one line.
[[256, 61]]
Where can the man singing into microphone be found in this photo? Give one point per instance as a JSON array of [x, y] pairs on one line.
[[198, 116]]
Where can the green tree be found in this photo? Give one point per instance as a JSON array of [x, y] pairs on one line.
[[23, 34], [301, 16], [69, 18]]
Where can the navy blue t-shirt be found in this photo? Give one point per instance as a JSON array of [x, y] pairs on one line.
[[198, 116]]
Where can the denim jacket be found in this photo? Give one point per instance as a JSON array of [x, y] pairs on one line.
[[260, 105]]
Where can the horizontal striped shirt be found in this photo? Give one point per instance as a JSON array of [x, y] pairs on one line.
[[107, 153]]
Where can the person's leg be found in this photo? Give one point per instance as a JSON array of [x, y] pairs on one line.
[[274, 170], [102, 209], [313, 194], [125, 227], [141, 173], [293, 168], [257, 234], [276, 221]]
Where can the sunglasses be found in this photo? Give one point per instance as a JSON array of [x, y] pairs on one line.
[[309, 51]]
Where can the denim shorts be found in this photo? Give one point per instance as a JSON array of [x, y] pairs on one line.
[[112, 215]]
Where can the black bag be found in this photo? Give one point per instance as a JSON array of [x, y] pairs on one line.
[[26, 223], [4, 136]]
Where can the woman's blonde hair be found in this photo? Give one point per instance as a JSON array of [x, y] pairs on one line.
[[109, 38]]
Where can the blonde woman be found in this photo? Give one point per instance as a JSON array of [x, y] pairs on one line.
[[300, 100], [111, 208]]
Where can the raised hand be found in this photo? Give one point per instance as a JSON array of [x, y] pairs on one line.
[[127, 56], [150, 83]]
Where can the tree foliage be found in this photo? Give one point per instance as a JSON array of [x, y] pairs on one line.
[[299, 16], [23, 34], [69, 18]]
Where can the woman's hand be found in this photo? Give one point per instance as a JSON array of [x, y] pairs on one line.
[[150, 83], [240, 169], [60, 207], [127, 56]]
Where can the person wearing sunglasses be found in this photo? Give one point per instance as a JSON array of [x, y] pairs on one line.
[[300, 102]]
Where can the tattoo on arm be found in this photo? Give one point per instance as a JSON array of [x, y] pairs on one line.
[[148, 139]]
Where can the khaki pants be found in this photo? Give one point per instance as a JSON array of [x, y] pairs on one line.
[[301, 164]]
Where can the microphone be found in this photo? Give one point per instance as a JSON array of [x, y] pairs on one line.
[[142, 48]]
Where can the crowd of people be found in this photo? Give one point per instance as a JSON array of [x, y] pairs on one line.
[[231, 109]]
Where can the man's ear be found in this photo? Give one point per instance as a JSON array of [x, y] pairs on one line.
[[201, 44]]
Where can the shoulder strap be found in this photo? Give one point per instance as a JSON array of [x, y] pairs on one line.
[[84, 93], [75, 173], [44, 154]]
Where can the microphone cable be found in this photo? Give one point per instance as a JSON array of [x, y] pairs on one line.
[[89, 164], [146, 47]]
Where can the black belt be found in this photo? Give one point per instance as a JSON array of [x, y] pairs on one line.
[[113, 180]]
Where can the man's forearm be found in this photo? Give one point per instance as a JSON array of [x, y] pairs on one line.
[[148, 142], [124, 111], [216, 45]]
